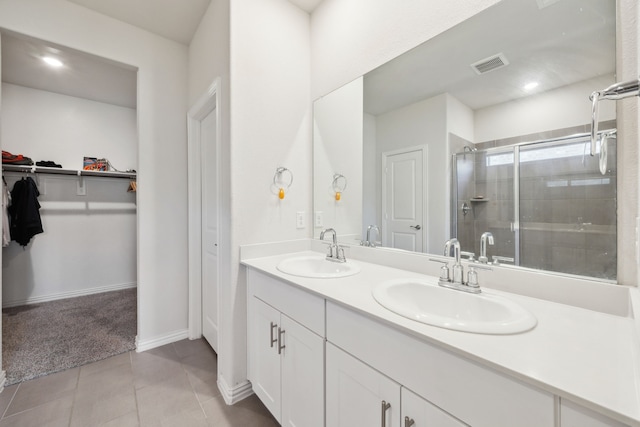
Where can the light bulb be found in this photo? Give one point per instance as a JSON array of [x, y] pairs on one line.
[[52, 61]]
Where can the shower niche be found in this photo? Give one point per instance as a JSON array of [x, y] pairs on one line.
[[546, 203]]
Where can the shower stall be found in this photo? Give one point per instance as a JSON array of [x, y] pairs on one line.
[[546, 203]]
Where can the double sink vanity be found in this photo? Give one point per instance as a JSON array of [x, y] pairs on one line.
[[375, 341]]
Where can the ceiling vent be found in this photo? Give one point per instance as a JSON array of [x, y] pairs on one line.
[[489, 64]]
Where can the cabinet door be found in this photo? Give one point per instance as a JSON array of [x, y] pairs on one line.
[[302, 362], [355, 393], [264, 359], [423, 413], [572, 415]]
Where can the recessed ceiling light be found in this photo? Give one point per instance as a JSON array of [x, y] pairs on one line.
[[52, 61], [530, 86]]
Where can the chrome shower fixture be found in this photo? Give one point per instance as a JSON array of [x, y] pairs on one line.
[[614, 92]]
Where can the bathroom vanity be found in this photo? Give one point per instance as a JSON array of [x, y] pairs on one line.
[[324, 352]]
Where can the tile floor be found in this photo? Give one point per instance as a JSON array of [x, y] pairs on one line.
[[173, 385]]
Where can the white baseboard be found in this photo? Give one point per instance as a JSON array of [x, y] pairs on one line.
[[235, 394], [69, 294], [144, 345]]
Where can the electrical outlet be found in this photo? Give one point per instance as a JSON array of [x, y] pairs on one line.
[[317, 222], [299, 219]]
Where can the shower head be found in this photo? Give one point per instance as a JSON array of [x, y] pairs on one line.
[[469, 148]]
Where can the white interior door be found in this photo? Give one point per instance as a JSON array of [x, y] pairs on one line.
[[403, 199], [209, 163]]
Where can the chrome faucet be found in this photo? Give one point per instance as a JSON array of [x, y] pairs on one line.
[[456, 279], [486, 237], [368, 242], [457, 271], [335, 252]]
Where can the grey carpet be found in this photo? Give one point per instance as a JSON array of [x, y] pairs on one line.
[[41, 339]]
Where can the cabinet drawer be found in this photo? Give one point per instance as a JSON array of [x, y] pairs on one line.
[[305, 308], [477, 395]]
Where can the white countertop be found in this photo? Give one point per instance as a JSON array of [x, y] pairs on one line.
[[589, 357]]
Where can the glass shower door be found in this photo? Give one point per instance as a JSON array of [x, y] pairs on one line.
[[567, 209]]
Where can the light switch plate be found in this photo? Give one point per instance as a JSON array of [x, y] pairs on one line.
[[317, 221]]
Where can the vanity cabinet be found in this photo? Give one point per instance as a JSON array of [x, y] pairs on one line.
[[358, 395], [286, 357], [472, 393], [316, 362], [572, 415], [422, 413]]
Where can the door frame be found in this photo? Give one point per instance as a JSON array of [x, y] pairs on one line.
[[425, 190], [207, 103]]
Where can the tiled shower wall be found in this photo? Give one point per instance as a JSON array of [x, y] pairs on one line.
[[567, 208]]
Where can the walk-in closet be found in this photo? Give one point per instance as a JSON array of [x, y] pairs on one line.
[[68, 127]]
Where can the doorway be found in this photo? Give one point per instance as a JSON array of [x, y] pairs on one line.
[[404, 199], [203, 141], [85, 258]]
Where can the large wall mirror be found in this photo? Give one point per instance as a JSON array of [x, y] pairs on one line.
[[481, 133]]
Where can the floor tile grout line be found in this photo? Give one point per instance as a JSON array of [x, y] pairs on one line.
[[10, 401], [33, 408], [75, 393], [189, 380], [135, 390]]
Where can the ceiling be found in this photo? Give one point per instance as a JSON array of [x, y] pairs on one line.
[[553, 42], [83, 75], [91, 77], [558, 51], [174, 19]]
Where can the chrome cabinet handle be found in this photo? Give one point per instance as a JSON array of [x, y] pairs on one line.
[[273, 340], [417, 227], [280, 340], [385, 407], [408, 422]]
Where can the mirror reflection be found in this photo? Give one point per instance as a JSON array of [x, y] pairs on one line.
[[481, 134]]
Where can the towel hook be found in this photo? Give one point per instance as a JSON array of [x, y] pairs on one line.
[[278, 178], [338, 187], [616, 91]]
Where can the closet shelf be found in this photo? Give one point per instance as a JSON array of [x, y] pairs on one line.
[[59, 171]]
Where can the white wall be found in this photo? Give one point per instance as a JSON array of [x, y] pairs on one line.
[[338, 127], [209, 54], [627, 68], [96, 232], [270, 126], [88, 244], [48, 126], [162, 157], [560, 108], [210, 59], [422, 123], [460, 119]]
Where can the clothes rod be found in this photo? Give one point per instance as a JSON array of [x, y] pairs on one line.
[[60, 171]]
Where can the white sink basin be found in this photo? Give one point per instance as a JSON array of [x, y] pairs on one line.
[[429, 303], [317, 266]]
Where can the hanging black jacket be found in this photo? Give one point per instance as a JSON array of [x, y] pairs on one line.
[[24, 215]]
